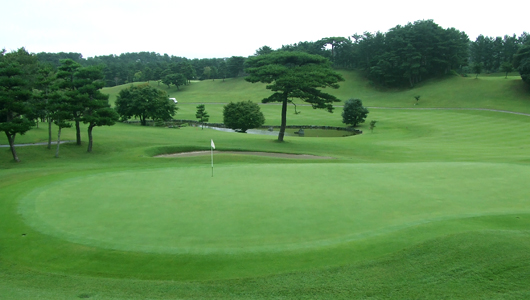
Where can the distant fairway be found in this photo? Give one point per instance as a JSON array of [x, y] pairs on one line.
[[251, 208]]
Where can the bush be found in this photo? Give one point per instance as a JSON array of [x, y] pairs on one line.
[[242, 116]]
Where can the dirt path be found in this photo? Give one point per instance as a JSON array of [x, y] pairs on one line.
[[36, 144], [298, 156], [452, 108], [269, 154]]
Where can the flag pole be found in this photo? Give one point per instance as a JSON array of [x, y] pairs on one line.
[[212, 146]]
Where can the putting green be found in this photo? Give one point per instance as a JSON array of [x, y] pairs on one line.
[[269, 207]]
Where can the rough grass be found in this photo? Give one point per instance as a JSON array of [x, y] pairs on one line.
[[430, 205]]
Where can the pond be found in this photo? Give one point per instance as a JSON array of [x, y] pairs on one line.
[[307, 132]]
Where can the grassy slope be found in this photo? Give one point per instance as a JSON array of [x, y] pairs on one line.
[[484, 257], [488, 91]]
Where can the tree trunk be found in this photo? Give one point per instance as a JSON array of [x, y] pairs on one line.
[[58, 143], [284, 119], [11, 139], [89, 149], [49, 133], [77, 132]]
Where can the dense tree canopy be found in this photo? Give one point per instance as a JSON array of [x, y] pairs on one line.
[[494, 52], [408, 54], [144, 102], [294, 75], [59, 108], [521, 62], [15, 93], [264, 50], [68, 84], [44, 88], [97, 109], [176, 79], [235, 65]]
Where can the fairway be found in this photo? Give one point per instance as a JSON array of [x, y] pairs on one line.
[[250, 208]]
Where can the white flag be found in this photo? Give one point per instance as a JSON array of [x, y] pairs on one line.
[[213, 145]]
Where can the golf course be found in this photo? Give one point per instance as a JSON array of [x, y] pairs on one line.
[[433, 203]]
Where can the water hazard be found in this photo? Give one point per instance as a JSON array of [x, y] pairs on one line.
[[305, 132]]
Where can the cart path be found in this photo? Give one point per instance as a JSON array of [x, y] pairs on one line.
[[411, 108], [375, 107], [36, 144]]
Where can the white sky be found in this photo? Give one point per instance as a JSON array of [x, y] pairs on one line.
[[224, 28]]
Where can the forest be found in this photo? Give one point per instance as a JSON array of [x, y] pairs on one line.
[[401, 57]]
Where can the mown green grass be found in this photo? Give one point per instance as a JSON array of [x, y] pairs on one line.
[[167, 213], [430, 205]]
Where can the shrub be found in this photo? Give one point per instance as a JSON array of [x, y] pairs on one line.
[[242, 116]]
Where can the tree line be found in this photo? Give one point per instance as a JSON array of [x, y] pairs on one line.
[[151, 66], [403, 56]]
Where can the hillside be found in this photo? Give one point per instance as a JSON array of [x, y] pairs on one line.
[[488, 91]]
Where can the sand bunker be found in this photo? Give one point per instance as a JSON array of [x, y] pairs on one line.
[[270, 154]]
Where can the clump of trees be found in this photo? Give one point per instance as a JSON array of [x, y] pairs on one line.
[[354, 112], [30, 91], [151, 66], [144, 102], [494, 52], [80, 93], [294, 75], [409, 54], [176, 79], [242, 116]]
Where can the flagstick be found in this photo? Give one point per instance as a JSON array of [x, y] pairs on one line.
[[212, 146], [211, 149]]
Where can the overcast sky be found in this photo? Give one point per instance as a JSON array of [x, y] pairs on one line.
[[224, 28]]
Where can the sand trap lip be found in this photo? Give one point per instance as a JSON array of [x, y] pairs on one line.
[[270, 154]]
